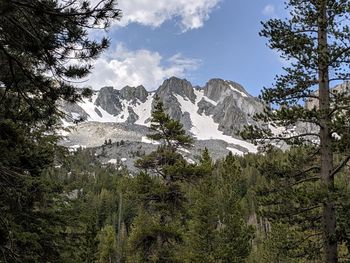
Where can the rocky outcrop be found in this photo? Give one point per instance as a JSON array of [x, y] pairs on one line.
[[108, 99], [230, 117], [178, 86], [132, 118], [205, 107], [235, 107], [167, 93], [74, 112], [216, 89], [131, 93], [226, 103]]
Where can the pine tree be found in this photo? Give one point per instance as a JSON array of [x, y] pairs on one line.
[[38, 39], [156, 231], [201, 237], [315, 41], [217, 231], [168, 130], [291, 199], [107, 248], [234, 238]]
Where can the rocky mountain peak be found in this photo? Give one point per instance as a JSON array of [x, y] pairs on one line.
[[177, 86], [108, 99], [217, 111], [217, 89], [132, 93]]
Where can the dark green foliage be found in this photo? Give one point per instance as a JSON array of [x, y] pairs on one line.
[[289, 199], [151, 240], [26, 198], [343, 219], [315, 41], [188, 213], [38, 39], [201, 220], [166, 129], [157, 229], [217, 231], [107, 249], [94, 198]]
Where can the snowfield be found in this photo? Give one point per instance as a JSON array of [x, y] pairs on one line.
[[204, 127], [143, 110], [238, 91], [89, 107], [146, 140]]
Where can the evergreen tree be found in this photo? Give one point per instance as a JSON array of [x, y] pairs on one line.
[[291, 198], [315, 41], [201, 237], [157, 229], [38, 39], [292, 201], [168, 130], [107, 248], [217, 231], [234, 237]]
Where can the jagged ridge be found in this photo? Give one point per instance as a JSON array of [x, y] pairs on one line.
[[216, 111]]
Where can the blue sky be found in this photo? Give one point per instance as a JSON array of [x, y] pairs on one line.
[[197, 40]]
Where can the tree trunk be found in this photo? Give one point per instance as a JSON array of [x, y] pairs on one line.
[[120, 207], [328, 217]]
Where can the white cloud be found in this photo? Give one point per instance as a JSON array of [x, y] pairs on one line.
[[140, 67], [191, 13], [269, 10]]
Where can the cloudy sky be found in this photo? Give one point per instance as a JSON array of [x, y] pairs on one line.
[[197, 40]]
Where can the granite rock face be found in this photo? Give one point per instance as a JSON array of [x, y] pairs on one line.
[[177, 86], [167, 93], [205, 107], [111, 100], [131, 93], [227, 104], [73, 111], [234, 107], [132, 118], [108, 99], [217, 89]]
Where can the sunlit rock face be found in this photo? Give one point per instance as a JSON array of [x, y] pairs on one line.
[[213, 113]]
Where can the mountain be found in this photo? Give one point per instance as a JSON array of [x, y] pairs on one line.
[[215, 112]]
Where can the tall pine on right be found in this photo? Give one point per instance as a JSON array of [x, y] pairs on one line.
[[315, 41]]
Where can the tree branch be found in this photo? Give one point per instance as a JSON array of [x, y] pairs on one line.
[[340, 166]]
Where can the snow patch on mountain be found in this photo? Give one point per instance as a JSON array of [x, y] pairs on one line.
[[209, 100], [143, 110], [75, 115], [88, 105], [113, 161], [204, 127], [238, 91], [146, 140]]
